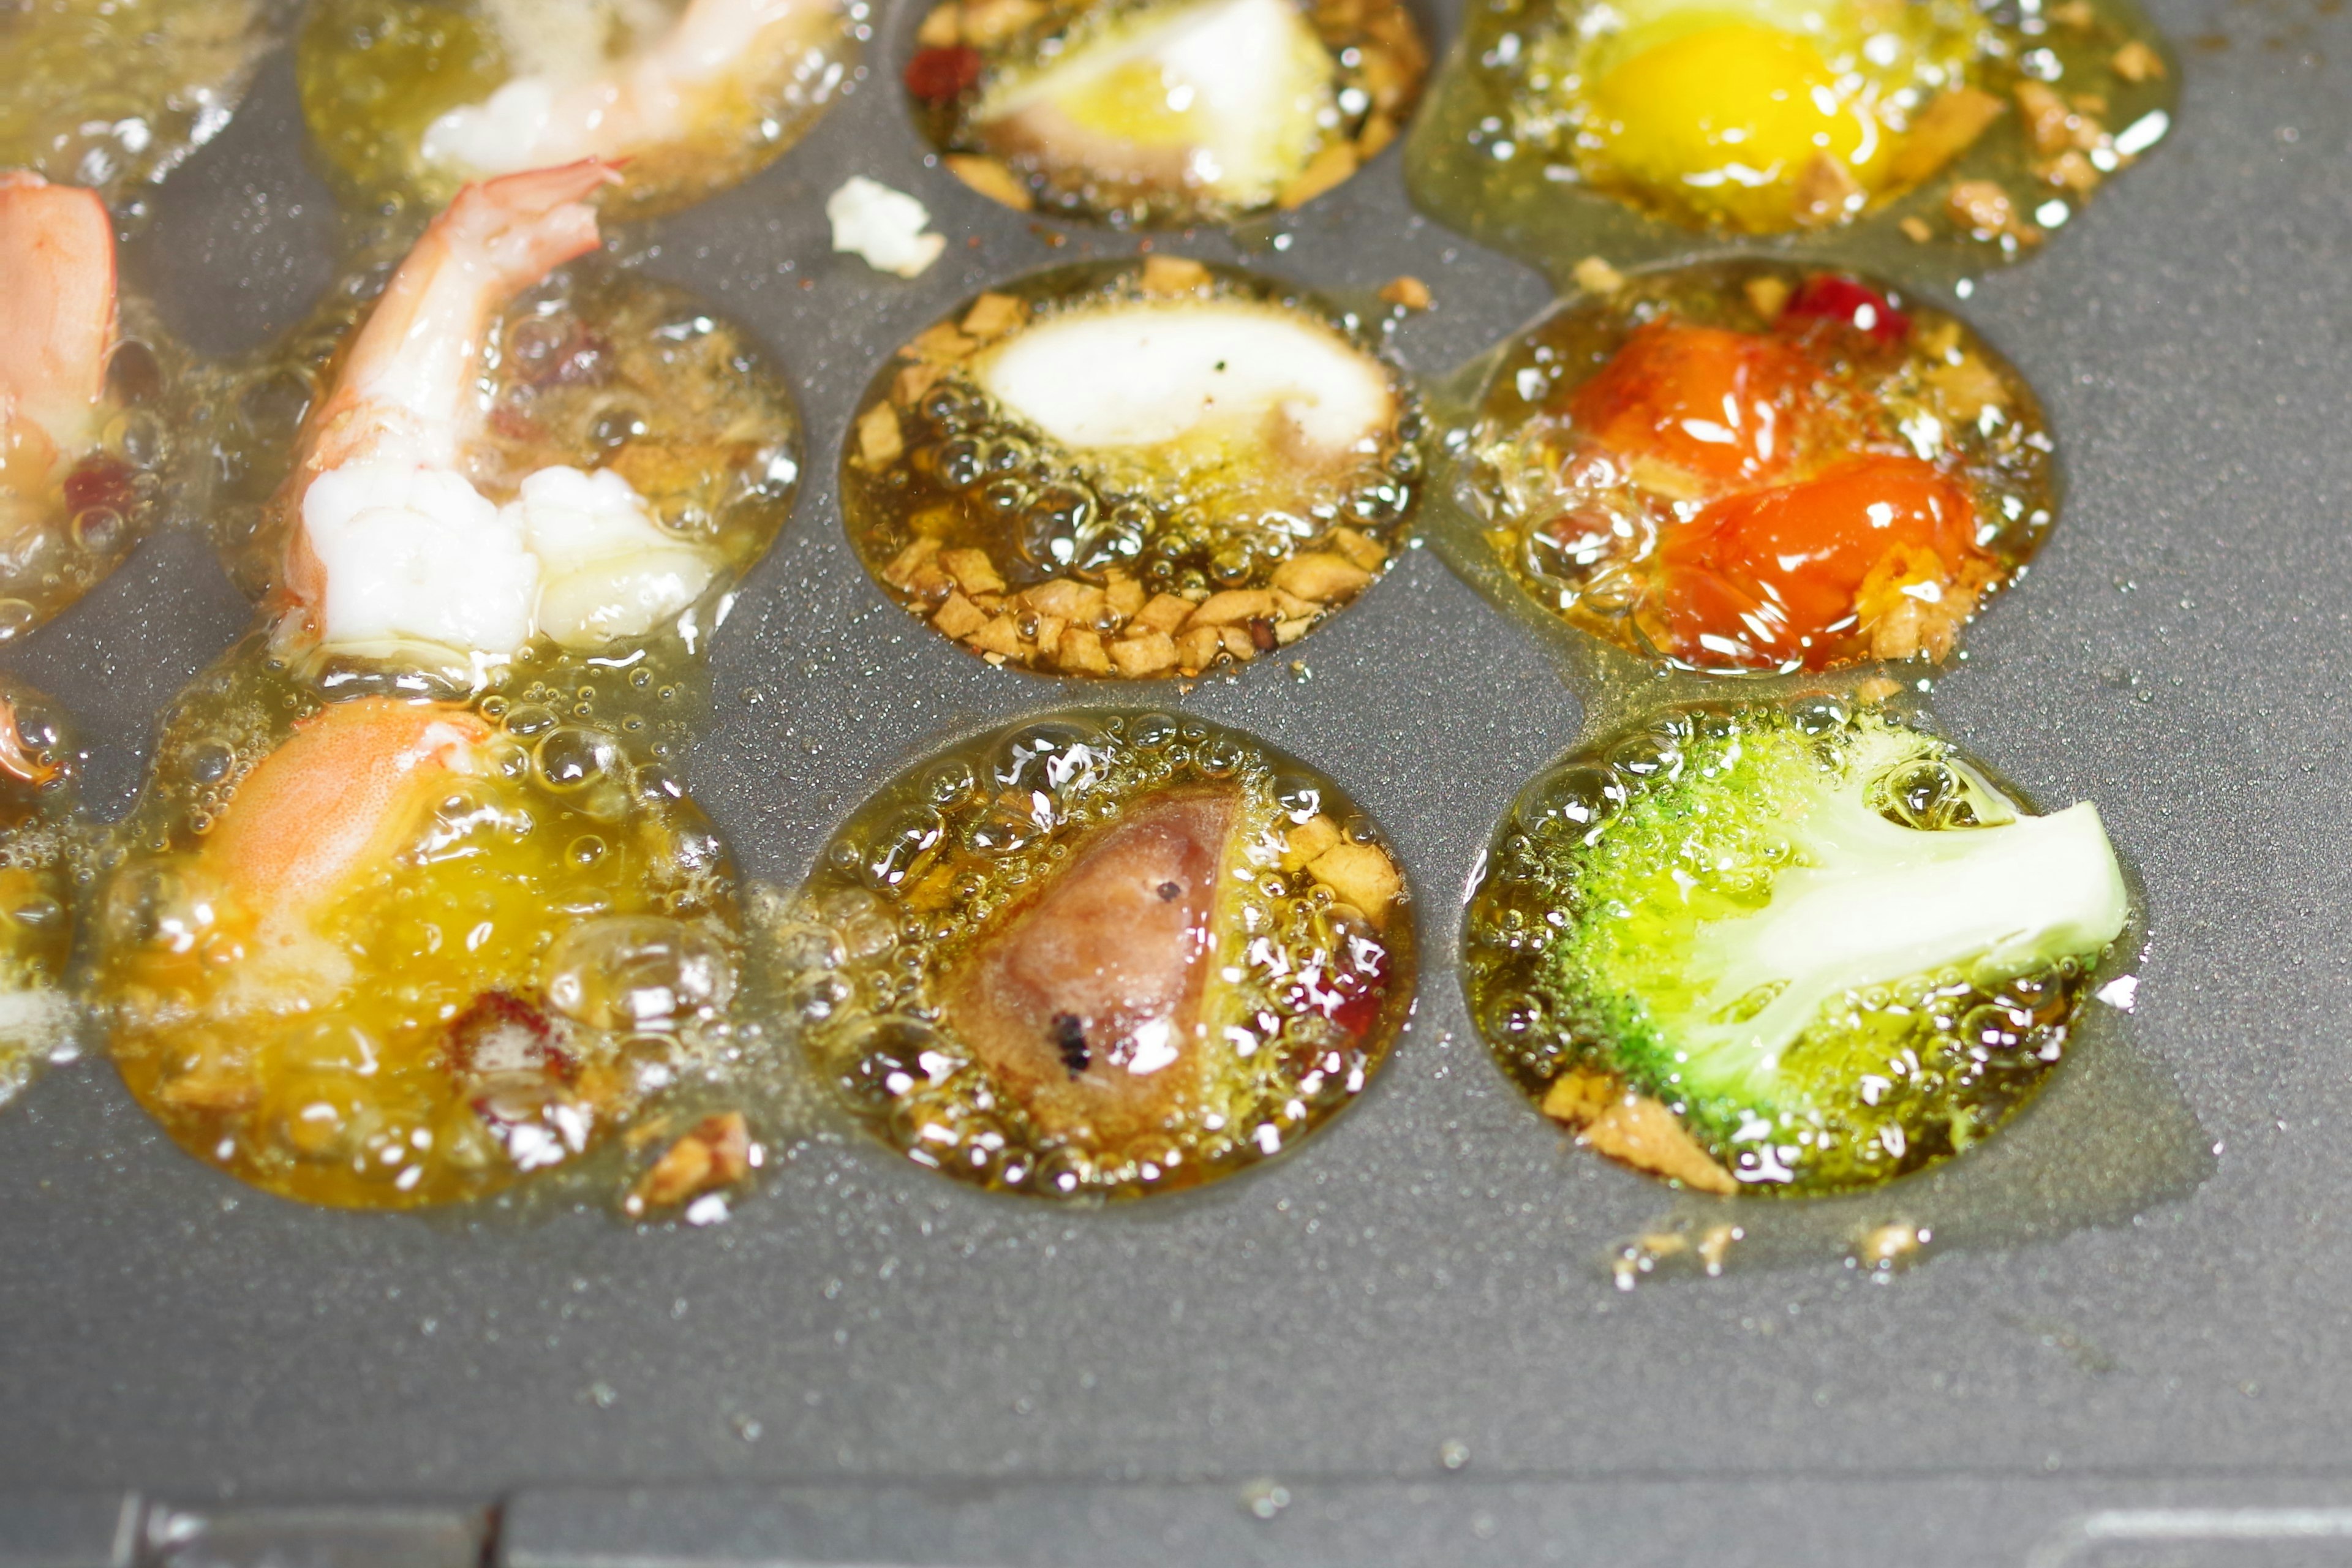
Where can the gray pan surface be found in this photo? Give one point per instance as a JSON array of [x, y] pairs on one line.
[[1404, 1344]]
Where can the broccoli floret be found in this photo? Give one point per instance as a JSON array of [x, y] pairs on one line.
[[1831, 946]]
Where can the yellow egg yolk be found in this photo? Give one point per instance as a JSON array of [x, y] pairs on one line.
[[1721, 120]]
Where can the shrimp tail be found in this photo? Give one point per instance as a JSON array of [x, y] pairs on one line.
[[525, 226], [338, 797], [56, 306]]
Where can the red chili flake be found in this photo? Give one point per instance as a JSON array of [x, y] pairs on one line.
[[1865, 310], [100, 480], [501, 1035], [1359, 990], [935, 75]]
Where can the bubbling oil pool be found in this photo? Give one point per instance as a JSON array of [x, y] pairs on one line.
[[1303, 996], [44, 861], [512, 1042], [1466, 166], [374, 74]]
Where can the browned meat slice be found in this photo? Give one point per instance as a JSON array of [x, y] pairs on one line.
[[1084, 1006]]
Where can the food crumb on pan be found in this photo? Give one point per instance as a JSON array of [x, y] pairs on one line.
[[885, 227]]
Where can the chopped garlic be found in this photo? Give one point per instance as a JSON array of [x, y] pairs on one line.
[[884, 225]]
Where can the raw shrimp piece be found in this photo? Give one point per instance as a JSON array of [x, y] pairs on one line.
[[395, 545], [695, 73], [1086, 1006], [56, 323]]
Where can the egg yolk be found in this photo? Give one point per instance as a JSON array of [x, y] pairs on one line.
[[1774, 574], [1721, 120], [1722, 406]]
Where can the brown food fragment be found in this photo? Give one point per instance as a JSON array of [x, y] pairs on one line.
[[991, 179], [1081, 1005], [1984, 209], [1238, 644], [2073, 172], [1139, 657], [1321, 576], [993, 315], [1231, 607], [1633, 1129], [879, 443], [1000, 635], [1768, 297], [1165, 612], [1406, 293], [1309, 840], [1124, 594], [1378, 130], [1197, 648], [1361, 874], [942, 27], [1081, 651], [1359, 547], [2076, 13], [1172, 275], [1595, 276], [940, 344], [2049, 124], [1967, 388], [903, 567], [2137, 63], [912, 380], [1064, 598], [959, 617], [1946, 128], [985, 22], [973, 572], [1325, 170], [716, 1154], [213, 1088], [1826, 192], [1917, 231]]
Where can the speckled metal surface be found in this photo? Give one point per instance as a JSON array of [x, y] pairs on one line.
[[1431, 1269]]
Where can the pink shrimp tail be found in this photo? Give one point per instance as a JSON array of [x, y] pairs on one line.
[[340, 796], [529, 224], [57, 302]]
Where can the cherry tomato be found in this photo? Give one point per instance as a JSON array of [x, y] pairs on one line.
[[934, 76], [1827, 296], [1724, 406], [1771, 575]]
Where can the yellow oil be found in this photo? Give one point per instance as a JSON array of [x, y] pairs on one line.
[[1559, 130], [111, 93], [373, 77], [1939, 391], [45, 859], [328, 1050], [1209, 516]]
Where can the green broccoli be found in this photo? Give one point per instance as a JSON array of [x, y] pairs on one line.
[[1826, 943]]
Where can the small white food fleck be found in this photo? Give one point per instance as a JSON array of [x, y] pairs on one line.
[[884, 225], [2120, 993]]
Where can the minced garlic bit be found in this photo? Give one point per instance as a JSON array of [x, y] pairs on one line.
[[1595, 276], [885, 226]]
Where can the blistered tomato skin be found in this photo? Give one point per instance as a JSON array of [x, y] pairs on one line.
[[1786, 566], [1728, 407]]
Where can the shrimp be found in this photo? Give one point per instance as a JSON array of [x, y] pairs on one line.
[[656, 97], [393, 546], [56, 323]]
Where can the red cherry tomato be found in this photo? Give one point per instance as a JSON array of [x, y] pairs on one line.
[[935, 76], [1770, 576], [1726, 406], [1865, 310]]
